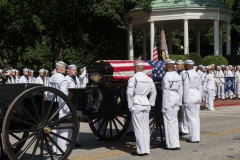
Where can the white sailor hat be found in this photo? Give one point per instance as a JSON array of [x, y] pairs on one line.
[[238, 66], [218, 67], [60, 63], [209, 67], [72, 66], [0, 70], [41, 70], [54, 71], [189, 62], [13, 70], [227, 67], [32, 71], [25, 69], [203, 67], [17, 70], [194, 67], [230, 66], [200, 65], [222, 66], [180, 62], [212, 64], [46, 71], [169, 61], [138, 63], [175, 65]]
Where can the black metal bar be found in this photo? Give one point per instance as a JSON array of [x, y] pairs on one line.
[[57, 135], [115, 126], [49, 149], [59, 120], [50, 108], [110, 128], [1, 145], [16, 137], [42, 108], [118, 121], [23, 140], [23, 121], [35, 148], [97, 120], [35, 108], [55, 113], [22, 130], [28, 146], [101, 125], [105, 129], [123, 116], [67, 127], [54, 143], [29, 115], [41, 149]]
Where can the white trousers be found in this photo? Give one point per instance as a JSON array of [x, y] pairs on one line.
[[140, 120], [183, 125], [64, 133], [229, 94], [203, 96], [238, 89], [209, 99], [221, 91], [130, 127], [171, 127], [192, 113]]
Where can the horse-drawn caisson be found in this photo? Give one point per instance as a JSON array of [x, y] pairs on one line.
[[29, 120]]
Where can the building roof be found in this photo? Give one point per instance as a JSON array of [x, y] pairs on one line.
[[167, 4]]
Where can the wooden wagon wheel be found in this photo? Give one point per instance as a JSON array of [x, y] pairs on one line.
[[43, 122], [109, 126]]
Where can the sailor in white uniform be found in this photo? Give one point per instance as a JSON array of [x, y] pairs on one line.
[[59, 81], [203, 79], [40, 78], [237, 81], [220, 83], [46, 78], [209, 89], [24, 78], [139, 86], [83, 78], [192, 98], [229, 73], [33, 79], [183, 126], [73, 82], [199, 70], [172, 90], [17, 76]]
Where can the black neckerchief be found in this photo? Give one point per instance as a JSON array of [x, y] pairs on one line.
[[180, 71], [42, 78], [26, 76]]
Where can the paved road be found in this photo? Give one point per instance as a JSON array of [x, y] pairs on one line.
[[220, 139]]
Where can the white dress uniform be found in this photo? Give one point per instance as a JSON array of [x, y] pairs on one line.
[[39, 80], [203, 93], [74, 84], [59, 81], [83, 78], [192, 98], [237, 81], [221, 84], [23, 79], [209, 88], [229, 94], [139, 86], [172, 98], [183, 125]]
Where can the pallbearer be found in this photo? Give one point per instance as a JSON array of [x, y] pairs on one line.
[[83, 78], [40, 79], [24, 78], [172, 98], [183, 126], [220, 83], [139, 86], [209, 88], [237, 80], [192, 98]]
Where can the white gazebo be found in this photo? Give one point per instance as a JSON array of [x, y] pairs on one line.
[[181, 14]]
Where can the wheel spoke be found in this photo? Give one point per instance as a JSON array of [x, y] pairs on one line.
[[42, 107], [96, 121], [1, 145], [110, 128], [67, 127], [118, 121], [50, 108], [60, 120], [115, 125], [21, 130], [41, 148], [57, 135], [49, 149], [35, 148], [23, 121], [35, 108], [54, 143], [55, 113], [105, 129], [101, 125], [28, 146], [15, 136], [23, 140], [123, 116], [28, 114]]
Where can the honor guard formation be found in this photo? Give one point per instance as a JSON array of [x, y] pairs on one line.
[[184, 88]]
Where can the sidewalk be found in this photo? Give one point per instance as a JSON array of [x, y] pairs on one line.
[[227, 102]]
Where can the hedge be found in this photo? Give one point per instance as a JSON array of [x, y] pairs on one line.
[[217, 60], [195, 57], [177, 57], [233, 59]]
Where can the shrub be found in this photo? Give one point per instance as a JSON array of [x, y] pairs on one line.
[[177, 57], [233, 59], [195, 57], [217, 60]]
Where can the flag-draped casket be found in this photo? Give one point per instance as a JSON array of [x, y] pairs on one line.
[[115, 73]]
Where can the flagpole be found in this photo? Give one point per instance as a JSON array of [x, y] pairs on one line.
[[151, 39]]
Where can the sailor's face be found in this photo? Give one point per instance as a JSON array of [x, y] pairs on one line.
[[180, 67], [73, 72]]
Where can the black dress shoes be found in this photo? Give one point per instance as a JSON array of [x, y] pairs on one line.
[[77, 145], [130, 134], [182, 134], [175, 149], [191, 141], [136, 154]]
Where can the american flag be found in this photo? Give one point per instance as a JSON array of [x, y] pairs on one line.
[[124, 69], [155, 53]]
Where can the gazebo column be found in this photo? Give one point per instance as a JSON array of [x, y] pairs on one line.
[[144, 45], [186, 41], [216, 37], [198, 50], [220, 40], [130, 42], [228, 39], [170, 42], [151, 39]]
